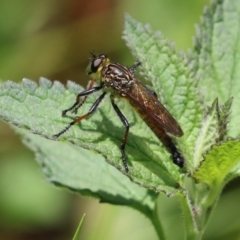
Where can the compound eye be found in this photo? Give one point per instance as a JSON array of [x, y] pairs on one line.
[[95, 65]]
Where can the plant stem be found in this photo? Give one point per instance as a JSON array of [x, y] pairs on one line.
[[191, 231], [157, 223], [209, 205]]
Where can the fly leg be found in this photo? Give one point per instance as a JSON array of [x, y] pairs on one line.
[[126, 124], [78, 119], [134, 67], [78, 102]]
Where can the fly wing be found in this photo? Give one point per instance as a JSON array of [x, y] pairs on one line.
[[142, 97]]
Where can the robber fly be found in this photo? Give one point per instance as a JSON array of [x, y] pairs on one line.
[[121, 82]]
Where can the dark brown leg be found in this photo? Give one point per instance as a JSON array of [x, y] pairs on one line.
[[78, 119], [126, 124]]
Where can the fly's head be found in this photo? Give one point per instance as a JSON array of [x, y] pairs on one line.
[[96, 65]]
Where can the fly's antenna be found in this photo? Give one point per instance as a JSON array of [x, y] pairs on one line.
[[93, 54]]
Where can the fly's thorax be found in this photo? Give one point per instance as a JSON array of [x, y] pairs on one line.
[[117, 77]]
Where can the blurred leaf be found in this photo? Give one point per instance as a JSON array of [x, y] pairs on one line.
[[24, 194], [227, 208]]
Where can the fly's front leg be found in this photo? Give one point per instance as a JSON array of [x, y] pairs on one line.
[[124, 141], [78, 119], [78, 102]]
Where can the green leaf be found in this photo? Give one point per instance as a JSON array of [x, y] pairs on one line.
[[213, 129], [171, 77], [217, 56], [38, 109], [223, 118], [86, 172], [217, 164]]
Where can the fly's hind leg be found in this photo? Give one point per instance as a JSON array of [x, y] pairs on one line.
[[124, 141]]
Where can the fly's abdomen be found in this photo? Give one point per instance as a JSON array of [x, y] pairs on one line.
[[160, 132]]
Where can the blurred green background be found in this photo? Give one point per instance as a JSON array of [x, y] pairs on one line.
[[53, 39]]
